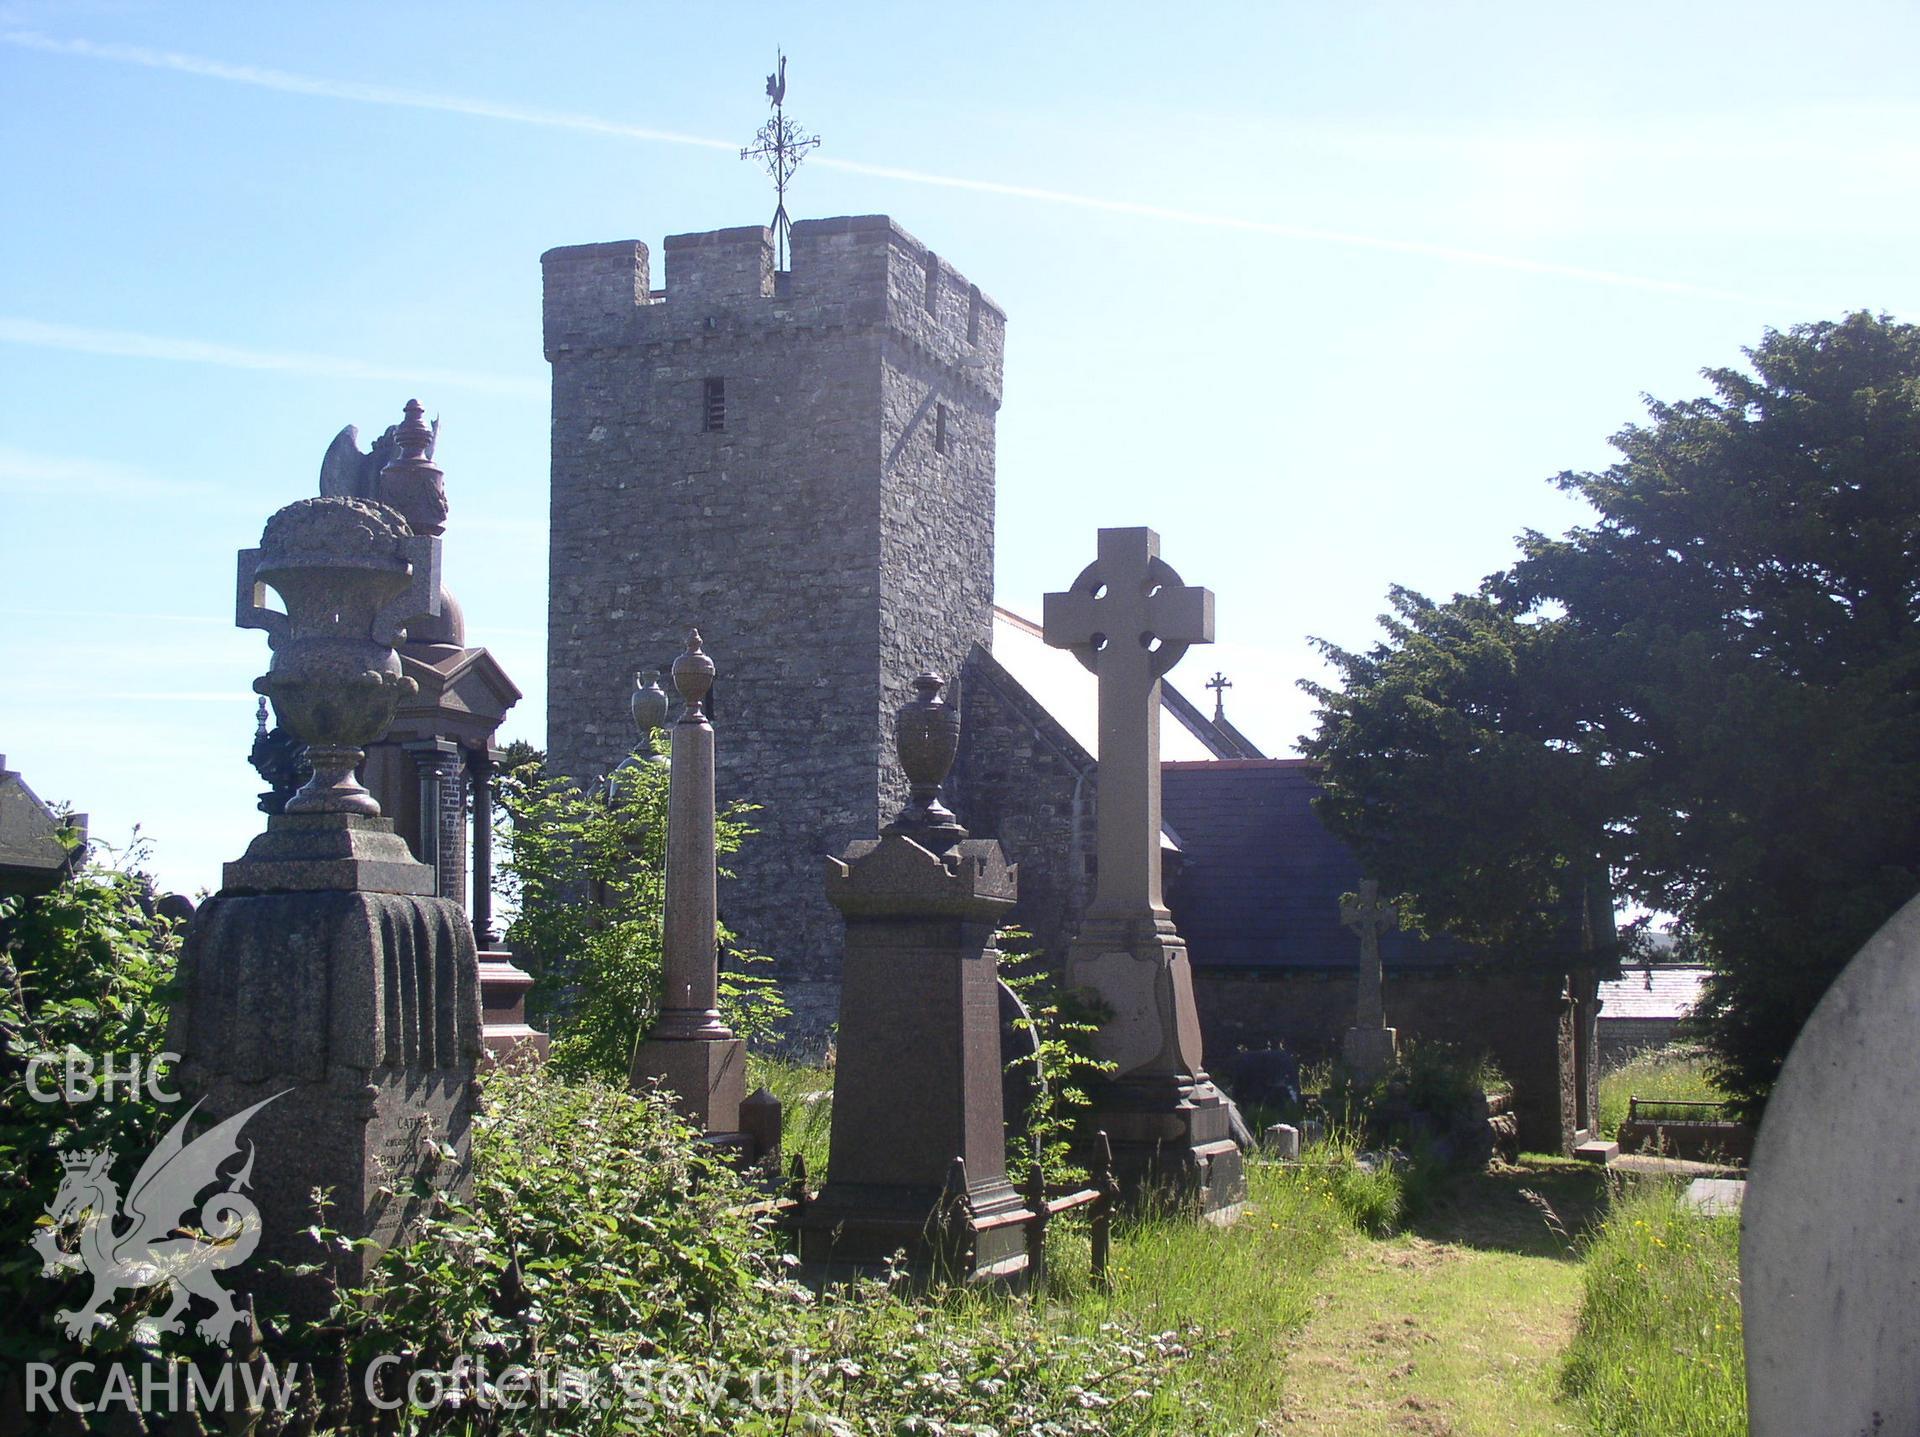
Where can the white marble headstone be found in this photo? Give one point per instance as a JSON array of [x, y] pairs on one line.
[[1830, 1233]]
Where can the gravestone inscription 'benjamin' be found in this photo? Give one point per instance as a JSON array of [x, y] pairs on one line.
[[1129, 618]]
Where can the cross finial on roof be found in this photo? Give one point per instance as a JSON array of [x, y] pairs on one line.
[[780, 146], [1219, 683]]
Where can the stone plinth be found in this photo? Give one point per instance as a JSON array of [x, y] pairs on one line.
[[313, 852], [362, 1009], [917, 1080], [1128, 618], [1369, 1052], [1169, 1125], [504, 1031]]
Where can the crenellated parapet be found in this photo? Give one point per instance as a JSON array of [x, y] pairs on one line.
[[852, 272]]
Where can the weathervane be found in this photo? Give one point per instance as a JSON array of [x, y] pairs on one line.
[[780, 146]]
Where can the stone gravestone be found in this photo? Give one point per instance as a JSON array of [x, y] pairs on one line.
[[324, 976], [1370, 1045], [917, 1156], [39, 848], [690, 1051], [1830, 1228], [1129, 619]]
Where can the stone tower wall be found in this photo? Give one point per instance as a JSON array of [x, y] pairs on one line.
[[825, 547]]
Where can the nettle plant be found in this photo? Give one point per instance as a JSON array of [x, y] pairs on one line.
[[585, 871]]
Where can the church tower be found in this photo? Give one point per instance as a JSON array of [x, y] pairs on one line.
[[801, 465]]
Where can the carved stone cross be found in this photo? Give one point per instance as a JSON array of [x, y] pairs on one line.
[[1129, 619], [1366, 915]]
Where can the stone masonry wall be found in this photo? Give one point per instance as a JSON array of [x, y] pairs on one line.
[[822, 545], [1519, 1016], [1021, 778]]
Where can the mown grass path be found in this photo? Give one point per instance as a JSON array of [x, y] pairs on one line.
[[1453, 1329]]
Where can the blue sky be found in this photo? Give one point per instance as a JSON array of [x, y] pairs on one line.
[[1326, 294]]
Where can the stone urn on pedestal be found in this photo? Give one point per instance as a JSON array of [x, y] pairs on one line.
[[351, 574], [324, 987], [918, 1148]]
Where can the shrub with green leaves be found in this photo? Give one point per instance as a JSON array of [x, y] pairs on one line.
[[1062, 1027], [585, 872], [604, 1239], [83, 969]]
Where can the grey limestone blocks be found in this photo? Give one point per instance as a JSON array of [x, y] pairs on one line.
[[807, 464]]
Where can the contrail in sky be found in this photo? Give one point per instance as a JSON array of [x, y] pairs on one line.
[[360, 93], [129, 345]]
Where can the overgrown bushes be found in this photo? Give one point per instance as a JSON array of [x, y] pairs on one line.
[[83, 969], [604, 1242]]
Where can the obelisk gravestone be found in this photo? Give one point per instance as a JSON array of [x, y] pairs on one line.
[[691, 1051], [1129, 619]]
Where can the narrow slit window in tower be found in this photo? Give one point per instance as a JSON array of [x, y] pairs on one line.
[[713, 408], [933, 282], [973, 314], [941, 444]]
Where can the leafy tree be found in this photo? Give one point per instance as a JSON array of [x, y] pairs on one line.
[[1714, 691], [586, 873]]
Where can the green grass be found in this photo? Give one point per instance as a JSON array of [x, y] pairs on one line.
[[804, 1126], [1250, 1287], [1676, 1074], [1658, 1346], [1498, 1306]]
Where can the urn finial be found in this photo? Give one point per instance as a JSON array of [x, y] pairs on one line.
[[650, 706], [352, 575], [410, 481], [693, 676], [926, 738]]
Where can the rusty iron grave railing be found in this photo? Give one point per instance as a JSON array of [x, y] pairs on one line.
[[1101, 1198], [1677, 1110]]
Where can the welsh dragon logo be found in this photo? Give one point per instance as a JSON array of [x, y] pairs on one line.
[[153, 1247]]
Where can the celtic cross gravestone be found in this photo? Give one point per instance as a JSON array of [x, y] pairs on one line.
[[1370, 1044], [1129, 619]]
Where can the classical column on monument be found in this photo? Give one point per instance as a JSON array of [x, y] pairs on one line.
[[691, 1052], [1370, 1045], [1129, 619], [918, 1147], [328, 1000]]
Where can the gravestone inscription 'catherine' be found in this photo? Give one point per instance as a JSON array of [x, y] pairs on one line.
[[1129, 619], [325, 974], [918, 1148]]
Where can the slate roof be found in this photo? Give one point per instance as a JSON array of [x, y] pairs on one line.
[[1641, 993], [32, 856], [1058, 683], [1260, 882]]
